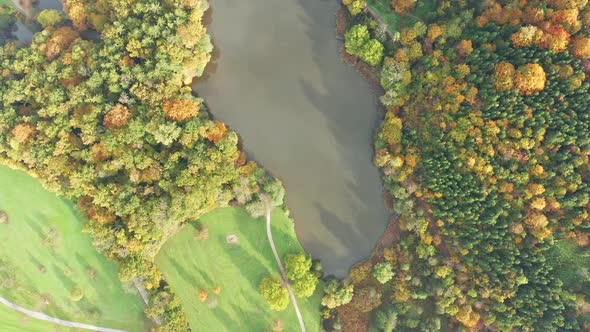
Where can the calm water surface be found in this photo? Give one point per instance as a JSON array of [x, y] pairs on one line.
[[304, 115]]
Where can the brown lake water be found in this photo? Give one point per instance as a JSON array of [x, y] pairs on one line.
[[276, 78]]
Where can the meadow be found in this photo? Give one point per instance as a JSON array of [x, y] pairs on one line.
[[48, 264], [190, 264]]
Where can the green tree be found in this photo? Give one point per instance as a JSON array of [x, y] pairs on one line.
[[372, 52], [355, 38], [355, 7], [275, 294], [305, 285], [337, 294], [297, 265], [358, 42], [49, 17], [386, 319], [383, 272]]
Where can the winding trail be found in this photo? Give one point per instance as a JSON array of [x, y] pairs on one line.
[[42, 316], [282, 269]]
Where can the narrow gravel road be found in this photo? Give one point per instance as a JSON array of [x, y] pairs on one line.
[[280, 264], [42, 316]]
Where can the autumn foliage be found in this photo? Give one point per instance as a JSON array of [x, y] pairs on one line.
[[181, 109], [529, 79], [117, 117]]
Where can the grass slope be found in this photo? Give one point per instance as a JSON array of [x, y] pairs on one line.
[[44, 255], [189, 265], [11, 321]]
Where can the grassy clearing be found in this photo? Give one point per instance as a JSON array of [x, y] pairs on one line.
[[422, 10], [45, 258], [572, 264], [190, 264]]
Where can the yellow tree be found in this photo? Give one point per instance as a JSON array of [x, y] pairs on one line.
[[529, 79], [181, 109], [504, 76], [581, 47]]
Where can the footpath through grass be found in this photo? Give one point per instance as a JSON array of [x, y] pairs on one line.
[[190, 265], [11, 321], [47, 263]]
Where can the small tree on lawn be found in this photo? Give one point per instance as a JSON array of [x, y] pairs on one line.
[[303, 280], [274, 293]]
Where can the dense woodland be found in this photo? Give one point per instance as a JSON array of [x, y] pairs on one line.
[[484, 153], [99, 108]]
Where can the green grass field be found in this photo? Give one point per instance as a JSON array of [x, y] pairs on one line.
[[422, 10], [572, 264], [11, 321], [44, 256], [190, 264]]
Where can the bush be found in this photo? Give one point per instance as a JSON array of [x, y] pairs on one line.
[[201, 232], [76, 294]]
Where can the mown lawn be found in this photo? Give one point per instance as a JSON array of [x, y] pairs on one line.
[[11, 321], [44, 257], [190, 264]]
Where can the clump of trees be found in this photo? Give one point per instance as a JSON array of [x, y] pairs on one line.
[[110, 123], [482, 150], [299, 271], [359, 43]]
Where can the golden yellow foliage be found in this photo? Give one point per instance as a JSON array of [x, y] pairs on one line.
[[203, 295], [23, 132], [465, 47], [530, 78], [536, 188], [59, 41], [217, 133], [467, 317], [434, 31], [538, 203], [581, 47], [504, 77], [181, 109], [402, 6], [407, 36]]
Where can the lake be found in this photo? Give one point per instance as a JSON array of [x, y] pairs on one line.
[[276, 78]]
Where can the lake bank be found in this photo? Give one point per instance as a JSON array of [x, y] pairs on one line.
[[305, 116]]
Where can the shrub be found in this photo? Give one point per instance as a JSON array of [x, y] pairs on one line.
[[201, 232], [76, 294]]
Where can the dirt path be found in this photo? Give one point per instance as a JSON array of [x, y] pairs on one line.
[[378, 18], [280, 264], [42, 316]]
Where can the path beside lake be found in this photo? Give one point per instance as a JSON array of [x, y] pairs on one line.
[[42, 316]]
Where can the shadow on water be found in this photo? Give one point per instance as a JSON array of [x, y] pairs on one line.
[[303, 114]]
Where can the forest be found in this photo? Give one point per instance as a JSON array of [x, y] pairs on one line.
[[110, 123], [483, 151]]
